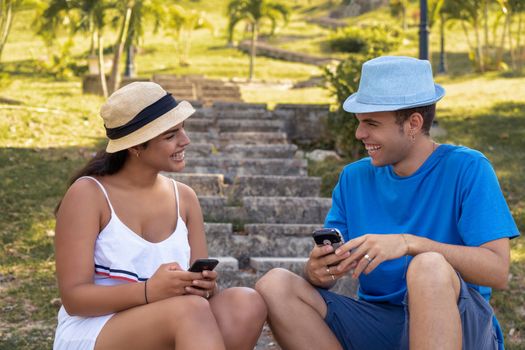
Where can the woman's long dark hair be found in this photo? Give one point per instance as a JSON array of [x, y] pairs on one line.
[[103, 163]]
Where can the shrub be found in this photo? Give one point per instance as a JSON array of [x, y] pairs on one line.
[[343, 80], [364, 40]]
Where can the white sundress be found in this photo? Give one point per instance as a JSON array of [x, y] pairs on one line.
[[121, 256]]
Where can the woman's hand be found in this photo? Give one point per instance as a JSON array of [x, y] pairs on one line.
[[203, 284], [168, 281]]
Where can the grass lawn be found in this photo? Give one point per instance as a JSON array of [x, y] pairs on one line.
[[56, 129]]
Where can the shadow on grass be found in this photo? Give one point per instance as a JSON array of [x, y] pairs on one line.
[[457, 64], [32, 180]]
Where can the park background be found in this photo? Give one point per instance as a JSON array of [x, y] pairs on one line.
[[48, 127]]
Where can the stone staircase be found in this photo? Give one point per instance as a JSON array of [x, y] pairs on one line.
[[260, 206], [195, 87]]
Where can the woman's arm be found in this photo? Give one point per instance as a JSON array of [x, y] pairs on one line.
[[78, 224]]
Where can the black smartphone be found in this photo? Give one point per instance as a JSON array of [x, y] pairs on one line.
[[200, 265], [328, 236]]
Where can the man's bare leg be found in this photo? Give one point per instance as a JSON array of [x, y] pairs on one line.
[[296, 312], [433, 291]]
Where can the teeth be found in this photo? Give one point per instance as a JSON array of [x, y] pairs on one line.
[[178, 156], [372, 148]]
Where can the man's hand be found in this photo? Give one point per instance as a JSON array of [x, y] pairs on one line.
[[321, 269], [370, 250]]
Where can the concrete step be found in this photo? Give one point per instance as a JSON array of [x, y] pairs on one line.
[[276, 186], [281, 230], [244, 247], [219, 209], [229, 274], [200, 136], [213, 229], [198, 124], [260, 151], [260, 240], [202, 184], [286, 210], [250, 125], [252, 138], [264, 264], [200, 150], [249, 166], [228, 106]]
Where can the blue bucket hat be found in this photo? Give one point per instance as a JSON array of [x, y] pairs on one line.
[[391, 83]]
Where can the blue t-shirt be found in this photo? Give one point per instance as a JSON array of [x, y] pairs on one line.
[[454, 197]]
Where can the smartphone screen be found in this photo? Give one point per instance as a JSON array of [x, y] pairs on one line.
[[203, 264], [328, 236]]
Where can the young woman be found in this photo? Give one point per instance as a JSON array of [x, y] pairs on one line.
[[126, 235]]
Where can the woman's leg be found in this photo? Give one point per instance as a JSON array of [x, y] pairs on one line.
[[240, 313], [186, 322]]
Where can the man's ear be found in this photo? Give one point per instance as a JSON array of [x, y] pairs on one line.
[[415, 122]]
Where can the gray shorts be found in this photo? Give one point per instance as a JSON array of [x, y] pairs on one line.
[[361, 325]]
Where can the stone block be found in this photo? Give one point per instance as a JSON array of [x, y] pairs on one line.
[[260, 151], [272, 230], [202, 184], [200, 150], [286, 210], [276, 186], [252, 138], [238, 167], [198, 124], [265, 264], [247, 125]]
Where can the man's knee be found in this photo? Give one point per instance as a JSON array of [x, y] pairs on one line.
[[431, 270], [276, 283]]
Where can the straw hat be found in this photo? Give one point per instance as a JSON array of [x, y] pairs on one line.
[[391, 83], [139, 112]]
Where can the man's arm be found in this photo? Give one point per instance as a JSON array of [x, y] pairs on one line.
[[486, 265]]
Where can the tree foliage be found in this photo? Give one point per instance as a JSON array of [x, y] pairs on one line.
[[254, 13], [183, 22]]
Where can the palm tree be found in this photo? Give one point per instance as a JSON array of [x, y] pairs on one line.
[[86, 16], [183, 22], [254, 12], [142, 11], [8, 9]]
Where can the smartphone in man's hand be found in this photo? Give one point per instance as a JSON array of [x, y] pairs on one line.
[[328, 236]]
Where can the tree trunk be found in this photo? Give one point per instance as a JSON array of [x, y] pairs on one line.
[[253, 51], [501, 48], [5, 27], [511, 47], [485, 50], [518, 42], [442, 68], [119, 48], [465, 30], [101, 71], [93, 34], [479, 47]]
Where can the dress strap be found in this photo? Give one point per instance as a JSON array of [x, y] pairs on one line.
[[101, 187], [176, 197]]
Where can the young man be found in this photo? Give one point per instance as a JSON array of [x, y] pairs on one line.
[[426, 228]]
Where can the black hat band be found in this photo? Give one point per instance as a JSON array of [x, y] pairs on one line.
[[147, 115]]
